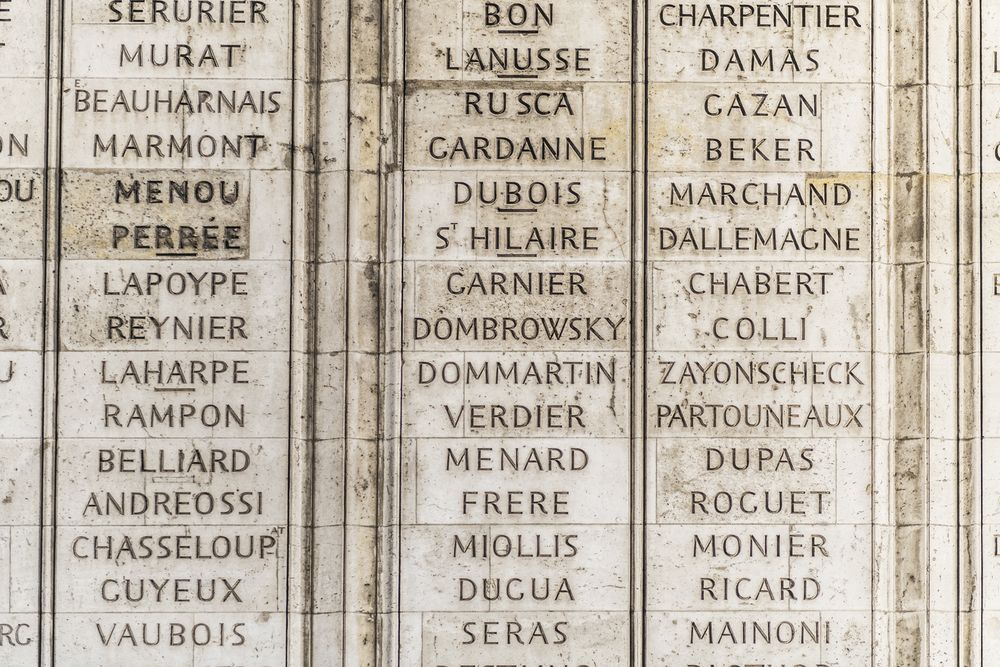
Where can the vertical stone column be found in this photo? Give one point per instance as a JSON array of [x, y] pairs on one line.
[[759, 381], [975, 294], [330, 58], [348, 322], [514, 493], [24, 216], [366, 330], [906, 345], [926, 245], [180, 279], [969, 543], [989, 333], [946, 256], [315, 394]]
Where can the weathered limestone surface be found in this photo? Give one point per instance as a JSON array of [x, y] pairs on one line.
[[514, 487], [177, 439], [451, 333], [760, 466], [23, 222]]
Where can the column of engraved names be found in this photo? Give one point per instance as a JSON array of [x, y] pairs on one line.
[[23, 27], [990, 340], [516, 329], [172, 460], [759, 280]]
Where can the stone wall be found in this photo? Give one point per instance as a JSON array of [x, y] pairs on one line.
[[449, 333]]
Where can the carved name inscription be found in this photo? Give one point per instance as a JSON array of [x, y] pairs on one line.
[[759, 288], [173, 423], [516, 480]]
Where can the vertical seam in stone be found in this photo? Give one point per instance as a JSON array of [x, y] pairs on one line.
[[48, 329]]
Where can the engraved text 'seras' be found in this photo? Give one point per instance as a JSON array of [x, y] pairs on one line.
[[499, 333], [515, 485]]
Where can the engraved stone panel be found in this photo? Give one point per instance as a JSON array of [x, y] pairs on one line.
[[493, 333], [759, 462], [172, 466], [515, 474]]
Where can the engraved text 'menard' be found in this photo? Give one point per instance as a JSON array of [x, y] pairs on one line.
[[516, 335]]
